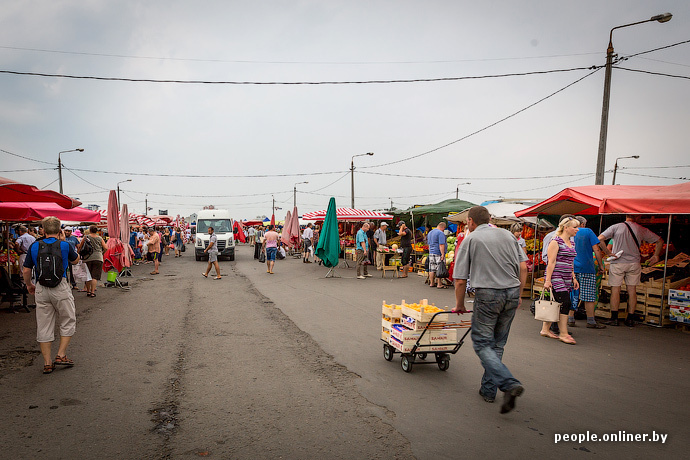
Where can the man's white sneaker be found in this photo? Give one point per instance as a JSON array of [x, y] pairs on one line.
[[360, 277], [368, 275]]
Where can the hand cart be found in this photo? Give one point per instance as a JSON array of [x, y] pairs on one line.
[[420, 350]]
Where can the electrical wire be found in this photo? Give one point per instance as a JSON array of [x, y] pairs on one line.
[[279, 83], [42, 188], [657, 49], [27, 170], [473, 177], [27, 158], [486, 127], [207, 176], [650, 175], [332, 183], [239, 61], [90, 183], [653, 73]]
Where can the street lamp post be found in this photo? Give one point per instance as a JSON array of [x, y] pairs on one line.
[[457, 189], [352, 173], [60, 164], [601, 156], [615, 166], [118, 191], [294, 196]]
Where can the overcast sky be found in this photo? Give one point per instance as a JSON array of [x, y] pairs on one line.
[[155, 133]]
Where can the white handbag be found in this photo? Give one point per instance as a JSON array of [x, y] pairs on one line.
[[547, 310]]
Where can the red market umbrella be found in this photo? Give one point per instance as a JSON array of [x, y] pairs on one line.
[[12, 191], [240, 231], [285, 235], [294, 226], [28, 212], [273, 219]]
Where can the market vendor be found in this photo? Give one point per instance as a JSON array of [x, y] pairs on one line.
[[406, 246], [380, 239], [627, 237], [24, 240]]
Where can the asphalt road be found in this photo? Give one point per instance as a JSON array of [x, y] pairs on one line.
[[291, 366]]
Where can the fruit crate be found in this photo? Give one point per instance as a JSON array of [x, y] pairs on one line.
[[657, 316]]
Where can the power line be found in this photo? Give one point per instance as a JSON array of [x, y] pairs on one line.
[[90, 183], [359, 82], [653, 73], [657, 49], [650, 175], [475, 178], [486, 127], [26, 158], [208, 176], [27, 170], [241, 61]]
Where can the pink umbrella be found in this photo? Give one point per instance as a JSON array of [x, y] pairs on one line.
[[126, 257], [294, 226], [286, 230], [113, 218]]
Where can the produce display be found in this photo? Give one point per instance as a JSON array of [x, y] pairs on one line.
[[13, 256]]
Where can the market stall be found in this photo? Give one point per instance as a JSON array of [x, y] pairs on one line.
[[348, 221], [664, 210]]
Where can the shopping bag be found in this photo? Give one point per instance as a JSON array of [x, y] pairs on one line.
[[546, 310], [262, 257], [79, 271], [442, 270]]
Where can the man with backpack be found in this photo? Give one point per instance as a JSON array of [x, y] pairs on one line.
[[49, 258]]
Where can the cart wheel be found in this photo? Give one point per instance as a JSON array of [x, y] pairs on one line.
[[422, 355], [387, 352], [406, 363], [444, 364]]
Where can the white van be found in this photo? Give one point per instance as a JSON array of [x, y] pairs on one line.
[[222, 224]]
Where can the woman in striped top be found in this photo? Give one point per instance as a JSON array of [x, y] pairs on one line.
[[560, 276]]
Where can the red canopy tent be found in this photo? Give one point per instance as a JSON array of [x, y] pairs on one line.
[[12, 191], [28, 212], [615, 199], [347, 214]]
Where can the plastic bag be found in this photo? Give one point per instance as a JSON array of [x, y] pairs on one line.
[[262, 257], [442, 270], [80, 272]]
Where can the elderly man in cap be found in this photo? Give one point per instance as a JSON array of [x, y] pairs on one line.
[[380, 239]]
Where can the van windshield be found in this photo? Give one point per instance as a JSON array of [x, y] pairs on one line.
[[219, 225]]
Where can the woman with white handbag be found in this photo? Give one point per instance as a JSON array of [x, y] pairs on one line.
[[560, 276]]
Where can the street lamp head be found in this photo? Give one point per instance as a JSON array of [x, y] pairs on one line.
[[662, 17], [635, 157], [80, 150], [370, 153]]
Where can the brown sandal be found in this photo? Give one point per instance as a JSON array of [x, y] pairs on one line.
[[48, 368], [63, 361]]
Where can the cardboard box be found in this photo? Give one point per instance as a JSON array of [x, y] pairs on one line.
[[407, 347], [679, 298], [431, 337], [679, 314]]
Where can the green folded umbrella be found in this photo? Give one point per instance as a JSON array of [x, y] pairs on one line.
[[328, 248]]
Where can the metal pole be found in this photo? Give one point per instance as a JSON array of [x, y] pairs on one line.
[[457, 192], [601, 156], [615, 168], [118, 196], [294, 197], [60, 171], [352, 177], [663, 282]]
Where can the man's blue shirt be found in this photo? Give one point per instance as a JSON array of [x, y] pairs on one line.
[[68, 254]]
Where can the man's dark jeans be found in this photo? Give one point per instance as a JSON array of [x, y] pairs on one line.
[[494, 310]]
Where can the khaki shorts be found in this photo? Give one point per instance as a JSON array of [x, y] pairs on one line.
[[52, 302], [628, 272]]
